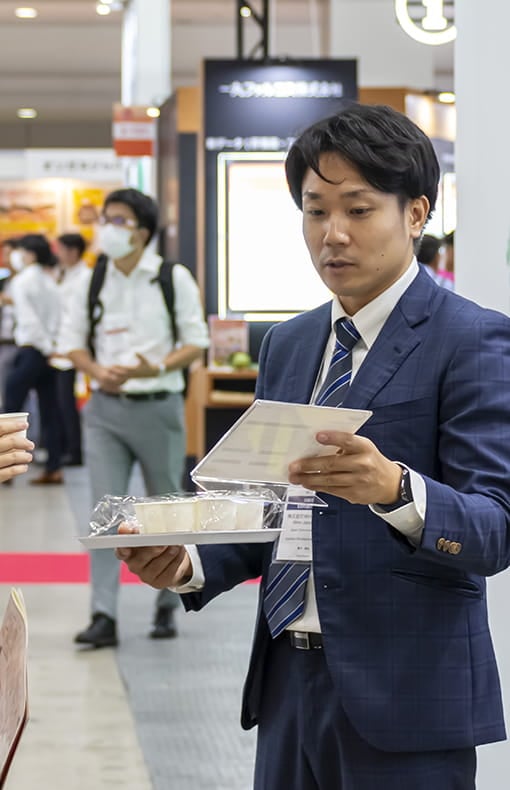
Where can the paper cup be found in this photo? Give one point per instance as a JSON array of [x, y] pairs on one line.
[[250, 515], [16, 415], [216, 514], [165, 517]]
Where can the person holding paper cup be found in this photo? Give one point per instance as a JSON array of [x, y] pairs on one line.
[[372, 667], [15, 448]]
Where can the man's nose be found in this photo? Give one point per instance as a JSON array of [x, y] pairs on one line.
[[336, 231]]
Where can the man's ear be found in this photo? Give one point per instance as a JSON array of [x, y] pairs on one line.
[[418, 211]]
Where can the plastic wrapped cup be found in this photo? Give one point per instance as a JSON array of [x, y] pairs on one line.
[[164, 517], [250, 515], [16, 415], [216, 514]]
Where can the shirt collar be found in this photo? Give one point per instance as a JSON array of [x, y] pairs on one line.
[[149, 262], [370, 319]]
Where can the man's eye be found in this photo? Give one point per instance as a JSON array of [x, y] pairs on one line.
[[359, 212], [315, 212]]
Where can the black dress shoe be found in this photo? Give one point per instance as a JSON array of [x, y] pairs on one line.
[[101, 632], [164, 624]]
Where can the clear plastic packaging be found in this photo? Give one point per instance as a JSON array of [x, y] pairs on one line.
[[240, 509], [215, 511]]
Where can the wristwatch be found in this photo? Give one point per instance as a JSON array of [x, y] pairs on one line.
[[405, 494]]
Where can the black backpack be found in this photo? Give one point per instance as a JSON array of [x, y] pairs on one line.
[[96, 309]]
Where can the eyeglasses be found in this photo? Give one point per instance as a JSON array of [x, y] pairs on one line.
[[118, 221]]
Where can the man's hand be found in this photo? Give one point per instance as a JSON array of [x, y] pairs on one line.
[[144, 369], [111, 379], [159, 566], [357, 472], [14, 455]]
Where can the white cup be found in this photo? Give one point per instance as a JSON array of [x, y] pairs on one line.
[[16, 415], [165, 517]]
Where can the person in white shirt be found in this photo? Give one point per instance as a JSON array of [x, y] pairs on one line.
[[136, 411], [36, 312], [73, 277], [429, 255]]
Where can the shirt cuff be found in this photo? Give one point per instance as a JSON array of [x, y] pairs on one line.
[[197, 580], [409, 519]]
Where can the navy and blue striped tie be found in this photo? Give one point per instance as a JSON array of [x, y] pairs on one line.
[[284, 598]]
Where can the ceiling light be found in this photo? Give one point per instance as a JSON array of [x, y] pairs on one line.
[[446, 97], [245, 11], [26, 13], [153, 112], [103, 10], [26, 112]]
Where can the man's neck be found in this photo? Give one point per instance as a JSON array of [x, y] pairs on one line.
[[127, 264]]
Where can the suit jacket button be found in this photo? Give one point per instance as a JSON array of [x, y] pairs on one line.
[[440, 544], [455, 548]]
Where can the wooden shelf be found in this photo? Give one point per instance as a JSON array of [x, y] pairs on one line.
[[212, 389]]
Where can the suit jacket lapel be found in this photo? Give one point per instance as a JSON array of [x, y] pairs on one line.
[[397, 339]]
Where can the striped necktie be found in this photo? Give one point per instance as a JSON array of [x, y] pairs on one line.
[[284, 598]]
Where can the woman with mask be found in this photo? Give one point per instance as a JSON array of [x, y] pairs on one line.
[[36, 311]]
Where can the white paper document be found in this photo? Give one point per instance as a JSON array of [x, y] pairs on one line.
[[269, 436]]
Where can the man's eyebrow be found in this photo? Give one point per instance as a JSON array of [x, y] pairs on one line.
[[353, 193]]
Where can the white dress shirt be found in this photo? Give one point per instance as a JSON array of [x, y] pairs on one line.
[[74, 280], [36, 309], [410, 518], [135, 320]]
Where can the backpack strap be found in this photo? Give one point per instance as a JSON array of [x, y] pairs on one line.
[[95, 306], [165, 279]]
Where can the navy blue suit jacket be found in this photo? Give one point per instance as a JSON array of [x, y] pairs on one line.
[[405, 629]]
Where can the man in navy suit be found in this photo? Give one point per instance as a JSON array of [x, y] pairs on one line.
[[387, 679]]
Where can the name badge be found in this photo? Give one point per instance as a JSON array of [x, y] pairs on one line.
[[295, 541]]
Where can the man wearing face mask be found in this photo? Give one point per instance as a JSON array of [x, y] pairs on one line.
[[136, 411]]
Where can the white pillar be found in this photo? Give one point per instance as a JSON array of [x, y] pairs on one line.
[[146, 72], [146, 54], [387, 56], [482, 65]]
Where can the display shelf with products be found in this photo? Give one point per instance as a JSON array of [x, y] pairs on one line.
[[216, 399]]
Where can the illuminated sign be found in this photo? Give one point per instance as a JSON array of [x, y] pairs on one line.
[[427, 21]]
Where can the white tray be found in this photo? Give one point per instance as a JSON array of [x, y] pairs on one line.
[[180, 538]]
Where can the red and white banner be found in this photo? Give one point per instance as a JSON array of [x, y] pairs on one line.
[[134, 133]]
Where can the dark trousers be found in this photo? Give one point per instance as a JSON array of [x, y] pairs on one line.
[[306, 742], [30, 370], [69, 415]]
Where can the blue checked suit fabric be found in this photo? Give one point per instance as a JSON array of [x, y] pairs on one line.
[[284, 598]]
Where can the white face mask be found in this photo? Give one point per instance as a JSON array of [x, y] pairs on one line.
[[16, 260], [115, 242]]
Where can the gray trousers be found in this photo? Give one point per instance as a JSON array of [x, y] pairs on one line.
[[118, 432]]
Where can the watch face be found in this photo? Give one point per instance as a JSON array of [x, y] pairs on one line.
[[406, 493]]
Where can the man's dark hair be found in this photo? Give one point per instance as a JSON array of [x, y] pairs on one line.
[[449, 239], [38, 244], [428, 249], [143, 207], [73, 241], [13, 243], [392, 154]]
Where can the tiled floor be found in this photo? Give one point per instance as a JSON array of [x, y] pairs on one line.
[[150, 715]]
